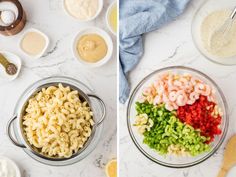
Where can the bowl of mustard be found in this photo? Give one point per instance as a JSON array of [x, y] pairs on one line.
[[92, 47]]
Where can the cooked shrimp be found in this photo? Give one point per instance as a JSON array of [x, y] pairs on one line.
[[172, 96], [184, 81], [202, 89], [194, 96], [190, 101], [157, 100], [146, 91], [181, 98], [176, 90], [178, 83]]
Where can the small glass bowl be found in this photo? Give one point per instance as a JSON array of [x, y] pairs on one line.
[[205, 9], [170, 160]]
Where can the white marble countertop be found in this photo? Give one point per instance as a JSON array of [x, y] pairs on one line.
[[173, 45], [50, 17]]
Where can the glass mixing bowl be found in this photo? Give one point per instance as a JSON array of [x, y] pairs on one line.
[[170, 160], [205, 9]]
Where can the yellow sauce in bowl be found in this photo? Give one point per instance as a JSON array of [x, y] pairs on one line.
[[113, 18], [33, 43], [91, 48]]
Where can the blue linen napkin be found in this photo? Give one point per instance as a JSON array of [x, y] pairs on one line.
[[136, 18]]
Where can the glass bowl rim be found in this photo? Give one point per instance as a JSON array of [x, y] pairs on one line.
[[186, 165]]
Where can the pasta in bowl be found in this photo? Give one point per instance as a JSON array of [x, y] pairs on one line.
[[57, 121]]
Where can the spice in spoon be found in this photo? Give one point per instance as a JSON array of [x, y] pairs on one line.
[[10, 68]]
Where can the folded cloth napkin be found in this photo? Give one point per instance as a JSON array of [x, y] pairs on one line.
[[136, 18]]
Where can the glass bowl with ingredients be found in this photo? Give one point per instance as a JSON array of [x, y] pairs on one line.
[[177, 117], [213, 31]]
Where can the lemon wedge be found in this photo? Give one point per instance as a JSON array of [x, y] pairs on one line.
[[111, 168]]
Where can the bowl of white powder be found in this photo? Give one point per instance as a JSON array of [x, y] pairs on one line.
[[82, 10], [206, 22]]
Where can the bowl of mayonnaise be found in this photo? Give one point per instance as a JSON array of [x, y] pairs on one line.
[[208, 20], [82, 10]]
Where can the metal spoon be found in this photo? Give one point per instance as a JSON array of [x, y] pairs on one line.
[[10, 68], [221, 37]]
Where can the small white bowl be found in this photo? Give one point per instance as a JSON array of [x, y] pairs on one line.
[[114, 3], [104, 35], [12, 164], [12, 58], [44, 49], [86, 20]]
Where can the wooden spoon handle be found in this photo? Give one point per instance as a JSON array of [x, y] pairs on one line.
[[223, 172], [3, 61]]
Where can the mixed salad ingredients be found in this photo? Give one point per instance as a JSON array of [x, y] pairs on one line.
[[178, 114]]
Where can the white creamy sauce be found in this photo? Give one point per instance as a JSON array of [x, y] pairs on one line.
[[7, 169], [216, 44], [82, 9]]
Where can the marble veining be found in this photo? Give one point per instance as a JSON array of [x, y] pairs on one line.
[[50, 18], [173, 45]]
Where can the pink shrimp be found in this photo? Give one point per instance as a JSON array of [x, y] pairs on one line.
[[156, 84], [194, 96], [184, 81], [177, 83], [161, 88], [190, 101], [172, 96], [165, 97], [146, 91], [175, 106], [157, 100], [202, 89], [188, 86], [182, 98]]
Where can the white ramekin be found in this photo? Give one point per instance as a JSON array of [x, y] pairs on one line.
[[44, 49], [104, 35], [86, 20]]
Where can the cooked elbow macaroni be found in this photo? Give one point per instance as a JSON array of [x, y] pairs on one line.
[[143, 123], [57, 122], [177, 150]]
